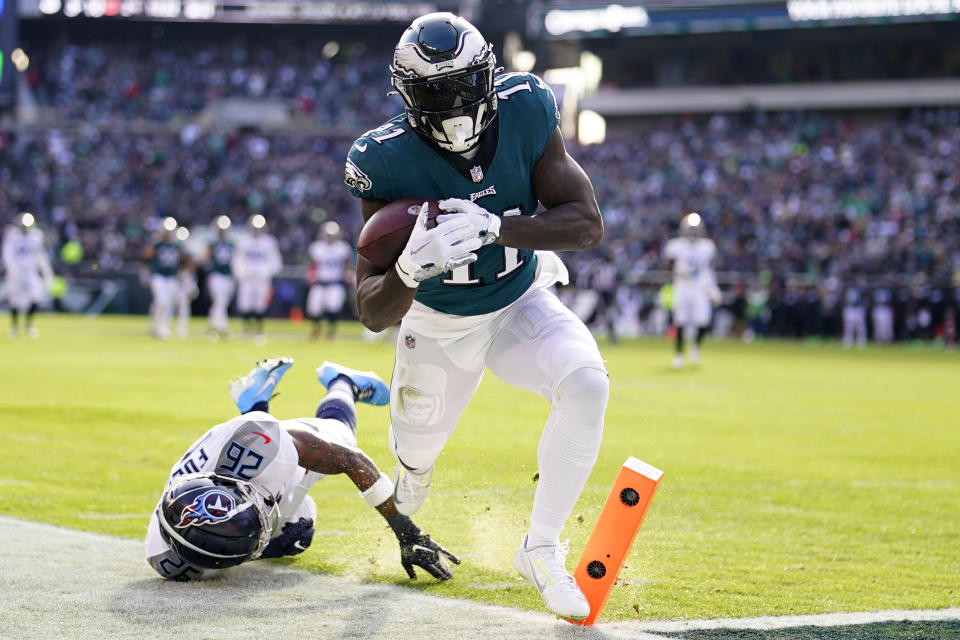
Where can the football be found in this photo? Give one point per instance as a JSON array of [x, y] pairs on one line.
[[385, 234]]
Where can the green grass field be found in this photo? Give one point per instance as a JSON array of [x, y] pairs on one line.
[[800, 478]]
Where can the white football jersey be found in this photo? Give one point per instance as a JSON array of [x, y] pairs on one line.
[[256, 257], [330, 258], [692, 258], [23, 250]]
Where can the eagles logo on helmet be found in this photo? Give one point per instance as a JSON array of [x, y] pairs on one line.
[[214, 521], [443, 69]]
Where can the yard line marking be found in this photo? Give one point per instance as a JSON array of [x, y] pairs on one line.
[[816, 620]]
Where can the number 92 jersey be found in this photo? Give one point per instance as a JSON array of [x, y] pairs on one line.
[[392, 162]]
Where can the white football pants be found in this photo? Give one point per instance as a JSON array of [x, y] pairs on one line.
[[253, 295], [854, 326], [537, 344], [325, 298], [164, 292], [221, 290], [882, 316]]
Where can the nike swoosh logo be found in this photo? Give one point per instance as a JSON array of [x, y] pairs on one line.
[[266, 438], [420, 546], [268, 384], [361, 147], [299, 545]]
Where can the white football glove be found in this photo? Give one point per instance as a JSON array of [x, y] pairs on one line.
[[486, 224], [430, 252]]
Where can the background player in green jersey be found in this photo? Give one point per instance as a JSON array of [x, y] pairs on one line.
[[220, 281], [164, 258], [474, 291]]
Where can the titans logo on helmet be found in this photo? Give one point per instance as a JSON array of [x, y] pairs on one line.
[[210, 507]]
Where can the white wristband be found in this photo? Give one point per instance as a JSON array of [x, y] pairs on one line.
[[378, 492], [406, 277]]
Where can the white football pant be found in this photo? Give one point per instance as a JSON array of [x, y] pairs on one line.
[[164, 292], [537, 344], [691, 307], [325, 298], [882, 316], [221, 290], [253, 295], [854, 326], [25, 288]]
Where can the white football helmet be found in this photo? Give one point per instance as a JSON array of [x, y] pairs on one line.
[[443, 69]]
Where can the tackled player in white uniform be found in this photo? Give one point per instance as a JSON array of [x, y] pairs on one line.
[[239, 493]]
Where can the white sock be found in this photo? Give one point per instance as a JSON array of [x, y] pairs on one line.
[[568, 449]]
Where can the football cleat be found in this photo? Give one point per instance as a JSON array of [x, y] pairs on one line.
[[544, 567], [677, 362], [259, 384], [410, 489], [694, 355], [367, 386]]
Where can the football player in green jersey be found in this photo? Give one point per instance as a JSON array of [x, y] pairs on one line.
[[165, 258], [474, 291], [220, 283]]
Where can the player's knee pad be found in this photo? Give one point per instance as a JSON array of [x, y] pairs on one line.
[[583, 393], [294, 539]]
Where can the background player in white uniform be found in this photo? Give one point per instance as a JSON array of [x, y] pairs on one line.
[[854, 317], [256, 260], [239, 493], [220, 283], [28, 273], [328, 276], [882, 316], [474, 291], [694, 285]]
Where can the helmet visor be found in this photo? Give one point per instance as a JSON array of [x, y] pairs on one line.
[[445, 93]]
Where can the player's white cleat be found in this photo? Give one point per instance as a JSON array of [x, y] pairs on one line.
[[259, 384], [367, 386], [544, 567], [410, 488], [677, 362], [694, 355]]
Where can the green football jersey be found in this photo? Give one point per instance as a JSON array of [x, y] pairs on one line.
[[166, 259], [221, 254], [392, 162]]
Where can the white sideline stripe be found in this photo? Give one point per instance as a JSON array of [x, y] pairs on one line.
[[63, 583], [67, 584], [818, 620]]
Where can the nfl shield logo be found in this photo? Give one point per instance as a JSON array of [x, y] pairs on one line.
[[409, 341], [477, 174]]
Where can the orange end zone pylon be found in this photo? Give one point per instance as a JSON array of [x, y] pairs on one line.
[[617, 526]]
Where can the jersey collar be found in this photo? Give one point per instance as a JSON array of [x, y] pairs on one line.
[[484, 158]]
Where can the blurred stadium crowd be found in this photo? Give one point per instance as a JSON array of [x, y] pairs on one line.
[[807, 210]]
